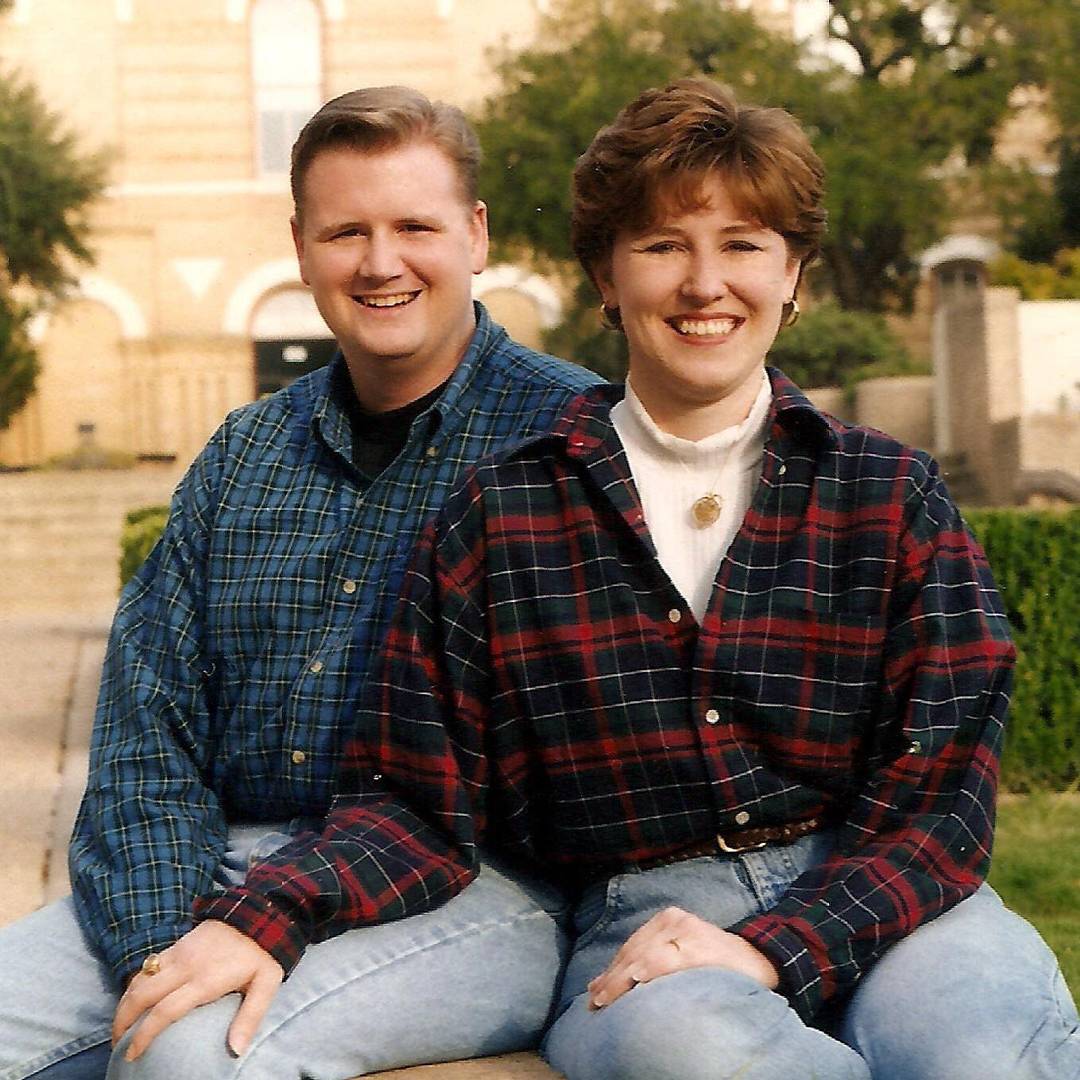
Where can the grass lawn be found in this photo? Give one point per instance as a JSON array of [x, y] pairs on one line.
[[1036, 869]]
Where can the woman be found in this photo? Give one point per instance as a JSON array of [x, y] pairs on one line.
[[732, 669]]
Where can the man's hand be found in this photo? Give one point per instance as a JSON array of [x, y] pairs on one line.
[[205, 964], [672, 941]]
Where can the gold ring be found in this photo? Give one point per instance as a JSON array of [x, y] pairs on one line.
[[151, 965]]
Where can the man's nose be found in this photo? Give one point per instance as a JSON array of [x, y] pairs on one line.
[[381, 259]]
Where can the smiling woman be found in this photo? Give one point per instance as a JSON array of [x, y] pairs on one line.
[[734, 671]]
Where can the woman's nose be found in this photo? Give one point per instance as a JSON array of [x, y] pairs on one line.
[[706, 277]]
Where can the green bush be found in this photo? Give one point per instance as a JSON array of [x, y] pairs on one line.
[[1035, 556], [829, 346], [141, 529]]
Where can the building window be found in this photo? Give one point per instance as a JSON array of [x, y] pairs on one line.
[[286, 65]]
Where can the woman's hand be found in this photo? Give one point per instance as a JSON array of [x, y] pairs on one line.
[[672, 941], [205, 964]]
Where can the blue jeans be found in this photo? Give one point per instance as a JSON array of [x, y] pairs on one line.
[[474, 978], [973, 995]]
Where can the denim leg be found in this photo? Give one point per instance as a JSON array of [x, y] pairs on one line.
[[975, 993], [56, 999], [705, 1023], [699, 1024], [475, 977]]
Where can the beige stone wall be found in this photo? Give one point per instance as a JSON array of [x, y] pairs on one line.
[[190, 237], [901, 407], [1050, 443]]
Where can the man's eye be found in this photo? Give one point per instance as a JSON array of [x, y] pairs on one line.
[[743, 245], [416, 227], [661, 247]]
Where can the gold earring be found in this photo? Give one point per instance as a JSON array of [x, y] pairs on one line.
[[793, 314], [609, 317]]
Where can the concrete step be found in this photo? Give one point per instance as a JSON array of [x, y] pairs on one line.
[[60, 535]]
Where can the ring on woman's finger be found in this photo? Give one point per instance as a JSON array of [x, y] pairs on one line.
[[151, 965]]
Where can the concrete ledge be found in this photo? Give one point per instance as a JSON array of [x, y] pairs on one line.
[[507, 1067]]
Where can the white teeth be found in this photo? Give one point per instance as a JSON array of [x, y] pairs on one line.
[[386, 301], [703, 327]]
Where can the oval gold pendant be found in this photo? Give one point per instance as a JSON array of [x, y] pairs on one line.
[[706, 510]]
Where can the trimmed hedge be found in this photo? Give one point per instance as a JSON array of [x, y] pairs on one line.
[[141, 529], [1035, 556]]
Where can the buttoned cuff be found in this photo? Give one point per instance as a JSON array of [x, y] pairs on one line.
[[257, 917], [126, 957], [802, 972]]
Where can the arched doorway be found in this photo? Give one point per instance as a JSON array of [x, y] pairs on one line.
[[290, 339]]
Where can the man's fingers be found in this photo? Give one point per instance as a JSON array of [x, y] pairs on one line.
[[250, 1015], [167, 1011], [143, 992]]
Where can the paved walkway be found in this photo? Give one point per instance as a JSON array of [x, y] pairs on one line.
[[59, 537]]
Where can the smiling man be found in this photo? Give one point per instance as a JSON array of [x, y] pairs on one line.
[[238, 648]]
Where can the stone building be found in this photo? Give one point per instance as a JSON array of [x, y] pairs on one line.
[[194, 305]]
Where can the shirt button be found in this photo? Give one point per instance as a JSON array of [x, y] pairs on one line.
[[299, 757], [781, 470], [348, 586], [316, 666], [674, 615], [742, 817], [712, 717], [376, 776], [915, 747], [432, 451]]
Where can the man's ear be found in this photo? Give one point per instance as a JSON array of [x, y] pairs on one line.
[[478, 236], [298, 243]]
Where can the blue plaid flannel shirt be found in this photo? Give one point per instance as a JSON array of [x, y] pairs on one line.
[[237, 650]]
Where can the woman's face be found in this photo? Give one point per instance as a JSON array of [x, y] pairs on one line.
[[700, 293]]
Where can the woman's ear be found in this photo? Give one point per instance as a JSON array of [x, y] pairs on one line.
[[600, 272]]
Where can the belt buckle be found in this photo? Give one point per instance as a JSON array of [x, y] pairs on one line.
[[736, 849]]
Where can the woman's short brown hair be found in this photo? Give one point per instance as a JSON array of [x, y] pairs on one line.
[[382, 118], [662, 146]]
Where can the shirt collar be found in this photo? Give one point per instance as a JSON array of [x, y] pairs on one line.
[[330, 421], [586, 424]]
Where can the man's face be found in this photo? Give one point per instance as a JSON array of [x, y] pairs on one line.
[[388, 246]]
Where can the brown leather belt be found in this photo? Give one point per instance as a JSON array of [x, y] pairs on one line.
[[728, 843]]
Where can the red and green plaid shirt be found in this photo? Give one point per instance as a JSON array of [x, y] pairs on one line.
[[546, 690]]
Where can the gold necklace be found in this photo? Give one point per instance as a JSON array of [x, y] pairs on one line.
[[705, 509]]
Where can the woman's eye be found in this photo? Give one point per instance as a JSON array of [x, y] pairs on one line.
[[661, 247], [743, 245]]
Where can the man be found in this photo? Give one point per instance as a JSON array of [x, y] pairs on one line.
[[237, 649]]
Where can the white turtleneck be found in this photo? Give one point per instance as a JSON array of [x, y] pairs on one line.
[[672, 473]]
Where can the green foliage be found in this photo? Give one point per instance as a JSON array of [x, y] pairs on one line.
[[832, 347], [142, 528], [1036, 870], [926, 91], [1035, 556], [1056, 280], [18, 361], [583, 338], [45, 187]]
